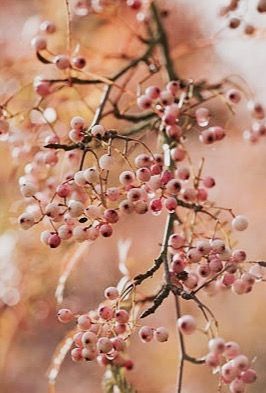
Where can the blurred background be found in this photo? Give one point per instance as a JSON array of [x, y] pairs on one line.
[[29, 331]]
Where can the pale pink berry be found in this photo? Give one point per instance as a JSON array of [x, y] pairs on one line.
[[63, 190], [173, 87], [173, 131], [241, 362], [228, 279], [202, 116], [208, 182], [88, 339], [232, 349], [120, 328], [76, 135], [54, 240], [77, 123], [212, 360], [143, 174], [194, 255], [189, 194], [143, 160], [126, 207], [207, 136], [121, 316], [91, 175], [173, 187], [191, 281], [176, 241], [104, 345], [229, 372], [233, 96], [84, 322], [79, 179], [141, 207], [75, 208], [146, 334], [237, 386], [215, 265], [186, 324], [203, 246], [65, 315], [118, 343], [106, 162], [106, 312], [78, 62], [161, 334], [178, 154], [219, 132], [239, 256], [98, 131], [249, 376], [166, 176], [28, 190], [38, 43], [183, 173], [166, 97], [217, 345], [111, 293], [52, 210], [152, 92], [44, 237], [93, 211], [76, 354], [127, 177], [240, 223], [218, 246], [62, 62], [144, 102]]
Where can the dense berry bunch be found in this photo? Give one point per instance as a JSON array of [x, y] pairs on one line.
[[82, 179]]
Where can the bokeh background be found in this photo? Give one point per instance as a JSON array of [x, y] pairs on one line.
[[29, 331]]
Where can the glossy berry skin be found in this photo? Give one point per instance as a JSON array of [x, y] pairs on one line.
[[65, 315]]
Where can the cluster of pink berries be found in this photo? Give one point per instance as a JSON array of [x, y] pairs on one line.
[[61, 61], [210, 262], [225, 358], [103, 334], [172, 106], [258, 126]]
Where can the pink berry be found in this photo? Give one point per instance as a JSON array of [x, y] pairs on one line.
[[78, 62], [48, 27], [146, 334], [84, 322], [62, 62], [144, 102], [240, 223], [152, 92], [54, 240], [249, 376], [65, 315], [106, 230], [106, 313], [39, 43], [88, 339], [121, 316], [111, 293], [77, 123], [241, 362], [237, 386], [76, 354], [161, 334], [106, 162], [170, 204], [208, 182], [217, 345], [104, 345], [186, 324], [232, 349], [212, 360]]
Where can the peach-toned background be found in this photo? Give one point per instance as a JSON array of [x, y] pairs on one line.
[[29, 331]]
